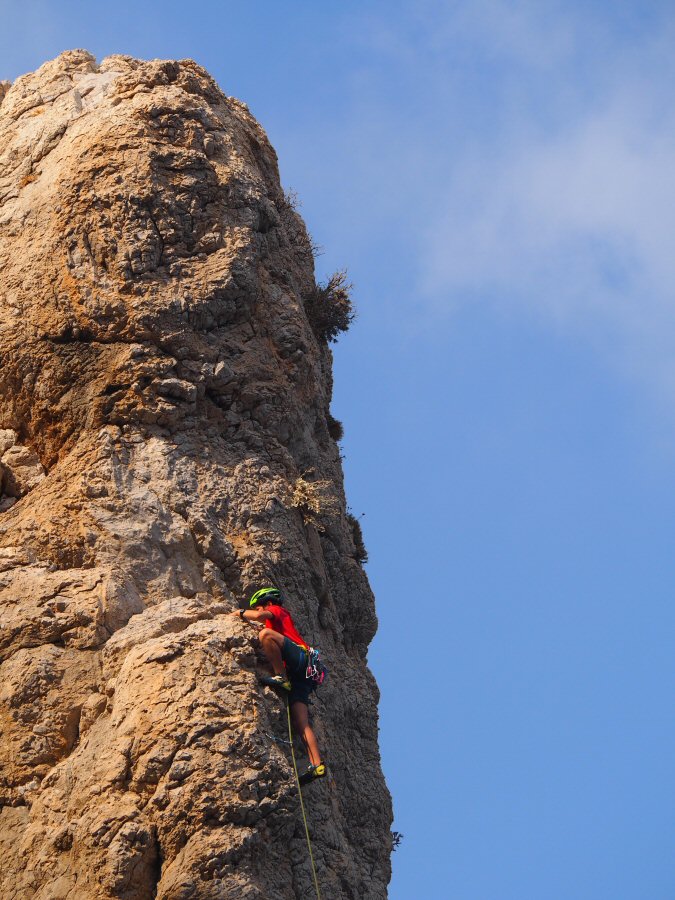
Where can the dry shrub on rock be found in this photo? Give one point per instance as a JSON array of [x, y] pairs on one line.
[[329, 307], [361, 554], [335, 428], [315, 501]]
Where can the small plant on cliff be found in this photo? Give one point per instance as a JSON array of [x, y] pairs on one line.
[[314, 499], [289, 199], [361, 554], [329, 307], [316, 249], [335, 428]]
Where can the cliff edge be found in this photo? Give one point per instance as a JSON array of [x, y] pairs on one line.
[[165, 450]]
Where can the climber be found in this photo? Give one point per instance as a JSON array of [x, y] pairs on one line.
[[287, 653]]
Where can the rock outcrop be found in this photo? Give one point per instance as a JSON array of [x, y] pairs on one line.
[[165, 450]]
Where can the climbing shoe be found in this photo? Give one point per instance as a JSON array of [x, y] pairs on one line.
[[312, 773], [277, 681]]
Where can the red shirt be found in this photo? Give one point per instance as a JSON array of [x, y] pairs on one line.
[[281, 621]]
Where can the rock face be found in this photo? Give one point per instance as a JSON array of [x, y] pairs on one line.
[[164, 409]]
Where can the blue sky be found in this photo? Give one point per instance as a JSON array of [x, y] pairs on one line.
[[499, 179]]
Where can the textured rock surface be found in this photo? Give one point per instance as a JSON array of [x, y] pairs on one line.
[[163, 406]]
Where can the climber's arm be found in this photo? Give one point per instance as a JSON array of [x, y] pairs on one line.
[[252, 615]]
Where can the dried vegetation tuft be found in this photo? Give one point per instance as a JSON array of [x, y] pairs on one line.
[[315, 501], [329, 307]]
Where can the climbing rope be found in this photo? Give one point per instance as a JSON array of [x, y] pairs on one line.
[[302, 805]]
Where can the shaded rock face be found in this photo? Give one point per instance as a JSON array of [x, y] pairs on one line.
[[165, 451]]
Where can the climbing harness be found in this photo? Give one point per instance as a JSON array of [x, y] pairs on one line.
[[316, 671], [302, 804]]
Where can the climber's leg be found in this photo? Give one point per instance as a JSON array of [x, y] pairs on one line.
[[272, 643], [301, 726]]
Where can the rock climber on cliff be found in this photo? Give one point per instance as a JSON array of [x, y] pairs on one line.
[[289, 655]]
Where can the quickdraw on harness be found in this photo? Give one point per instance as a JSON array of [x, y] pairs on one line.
[[316, 671]]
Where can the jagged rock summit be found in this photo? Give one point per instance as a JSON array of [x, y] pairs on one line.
[[165, 449]]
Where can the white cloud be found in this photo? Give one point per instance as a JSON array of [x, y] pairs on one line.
[[548, 186], [578, 228]]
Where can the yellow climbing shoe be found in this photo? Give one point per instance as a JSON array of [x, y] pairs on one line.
[[277, 681], [312, 773]]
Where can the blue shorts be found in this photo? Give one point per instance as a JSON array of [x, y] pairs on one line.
[[295, 658]]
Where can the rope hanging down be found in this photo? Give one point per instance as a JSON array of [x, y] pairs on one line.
[[302, 805]]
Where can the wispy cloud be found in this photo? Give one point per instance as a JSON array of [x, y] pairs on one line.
[[531, 151], [600, 195], [569, 211]]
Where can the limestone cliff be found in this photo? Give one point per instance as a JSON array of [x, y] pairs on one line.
[[164, 451]]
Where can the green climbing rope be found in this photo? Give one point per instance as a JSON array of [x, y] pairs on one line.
[[302, 805]]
